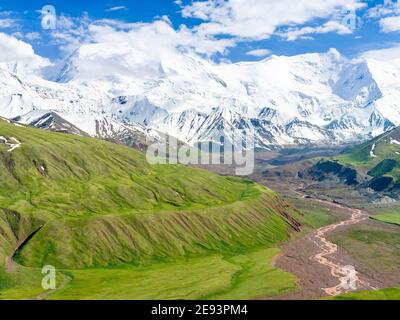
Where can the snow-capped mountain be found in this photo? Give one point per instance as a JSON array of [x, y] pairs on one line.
[[48, 120], [115, 92]]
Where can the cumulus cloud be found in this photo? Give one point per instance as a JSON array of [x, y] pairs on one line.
[[258, 53], [14, 50], [72, 32]]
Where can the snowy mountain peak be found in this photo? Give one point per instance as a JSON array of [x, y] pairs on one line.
[[357, 84], [309, 98]]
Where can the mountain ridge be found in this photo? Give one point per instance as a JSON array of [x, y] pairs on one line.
[[318, 98]]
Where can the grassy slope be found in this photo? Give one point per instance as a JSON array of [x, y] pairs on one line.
[[393, 218], [105, 178], [107, 214], [388, 215], [149, 238], [361, 158], [249, 275], [313, 213]]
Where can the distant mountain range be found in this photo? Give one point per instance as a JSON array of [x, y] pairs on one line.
[[307, 99]]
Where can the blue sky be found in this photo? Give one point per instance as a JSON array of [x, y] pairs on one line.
[[377, 26]]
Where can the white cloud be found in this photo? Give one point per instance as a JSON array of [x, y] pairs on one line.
[[388, 15], [259, 19], [379, 11], [117, 8], [123, 48], [145, 35], [14, 50], [7, 23], [225, 24], [258, 53], [71, 33], [292, 34], [5, 13], [390, 24], [32, 36]]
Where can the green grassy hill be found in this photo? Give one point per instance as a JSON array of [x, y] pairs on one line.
[[373, 165], [98, 211], [377, 157]]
